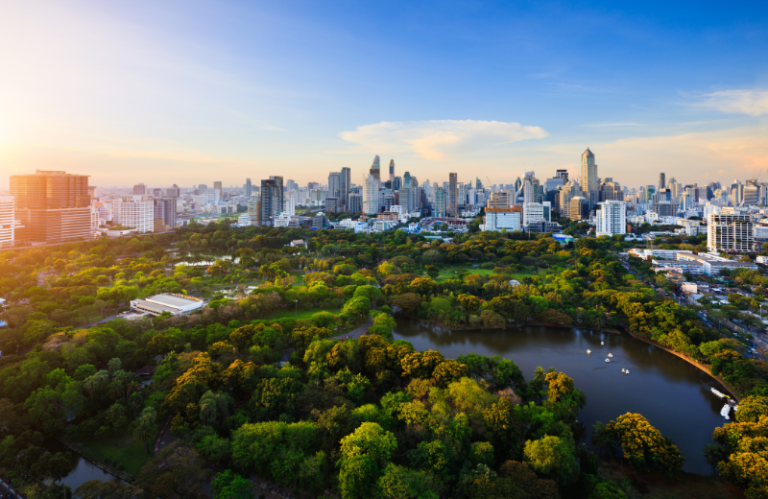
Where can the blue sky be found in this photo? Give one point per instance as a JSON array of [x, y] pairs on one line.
[[190, 92]]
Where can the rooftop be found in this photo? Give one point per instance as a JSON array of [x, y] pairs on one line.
[[172, 300]]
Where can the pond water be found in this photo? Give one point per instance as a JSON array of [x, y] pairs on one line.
[[201, 257], [84, 470], [671, 393]]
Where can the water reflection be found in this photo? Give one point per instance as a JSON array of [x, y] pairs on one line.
[[674, 395]]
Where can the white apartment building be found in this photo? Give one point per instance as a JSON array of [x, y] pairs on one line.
[[611, 218], [730, 232], [95, 223], [502, 218], [134, 211], [371, 195], [7, 221]]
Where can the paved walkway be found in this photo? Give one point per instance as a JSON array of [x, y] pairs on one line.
[[358, 332]]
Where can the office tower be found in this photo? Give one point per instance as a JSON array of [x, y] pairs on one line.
[[518, 184], [52, 206], [611, 218], [332, 205], [650, 191], [563, 174], [407, 179], [664, 209], [610, 190], [662, 181], [279, 183], [254, 209], [751, 195], [568, 192], [530, 185], [165, 214], [397, 184], [248, 187], [579, 208], [554, 183], [354, 203], [173, 192], [371, 194], [345, 183], [589, 180], [7, 221], [409, 198], [202, 187], [376, 169], [334, 184], [136, 212], [730, 232], [140, 190], [453, 194], [391, 170], [440, 203], [219, 187], [155, 192], [271, 200]]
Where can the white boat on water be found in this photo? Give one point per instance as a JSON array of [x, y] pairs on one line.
[[602, 343], [589, 352], [607, 360], [610, 355], [725, 411]]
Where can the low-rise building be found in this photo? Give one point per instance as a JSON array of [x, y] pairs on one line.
[[174, 304], [502, 218]]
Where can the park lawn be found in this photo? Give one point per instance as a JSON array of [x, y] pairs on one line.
[[290, 313], [298, 275], [129, 453], [449, 271]]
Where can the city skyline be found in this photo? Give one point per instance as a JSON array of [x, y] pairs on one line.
[[133, 93]]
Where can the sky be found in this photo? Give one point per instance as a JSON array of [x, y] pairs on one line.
[[189, 91]]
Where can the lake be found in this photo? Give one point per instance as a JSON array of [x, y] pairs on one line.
[[671, 393]]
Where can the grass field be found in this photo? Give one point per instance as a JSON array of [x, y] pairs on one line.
[[290, 313], [449, 271], [128, 453]]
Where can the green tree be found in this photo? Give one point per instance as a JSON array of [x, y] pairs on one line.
[[552, 456]]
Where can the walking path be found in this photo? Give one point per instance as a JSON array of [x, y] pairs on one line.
[[359, 331]]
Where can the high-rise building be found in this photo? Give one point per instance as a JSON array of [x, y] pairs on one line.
[[165, 214], [611, 218], [453, 194], [140, 190], [568, 192], [376, 168], [7, 221], [440, 203], [52, 206], [563, 174], [578, 208], [391, 170], [254, 209], [662, 181], [219, 187], [345, 183], [137, 212], [248, 187], [271, 201], [499, 199], [610, 190], [532, 213], [397, 184], [278, 180], [518, 184], [589, 181], [334, 185], [371, 194], [530, 187], [407, 181], [354, 203], [730, 232], [502, 218]]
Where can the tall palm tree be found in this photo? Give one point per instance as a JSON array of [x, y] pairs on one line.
[[144, 433]]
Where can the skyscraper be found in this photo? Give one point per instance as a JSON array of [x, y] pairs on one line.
[[334, 184], [453, 194], [344, 186], [406, 179], [218, 186], [563, 174], [589, 180], [271, 200], [165, 214], [136, 212], [140, 190], [376, 168], [371, 194], [7, 221], [730, 232], [52, 206], [254, 209], [278, 180], [662, 181], [391, 170], [439, 203], [248, 187]]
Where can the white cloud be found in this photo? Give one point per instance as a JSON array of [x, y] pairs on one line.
[[439, 139], [739, 101]]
